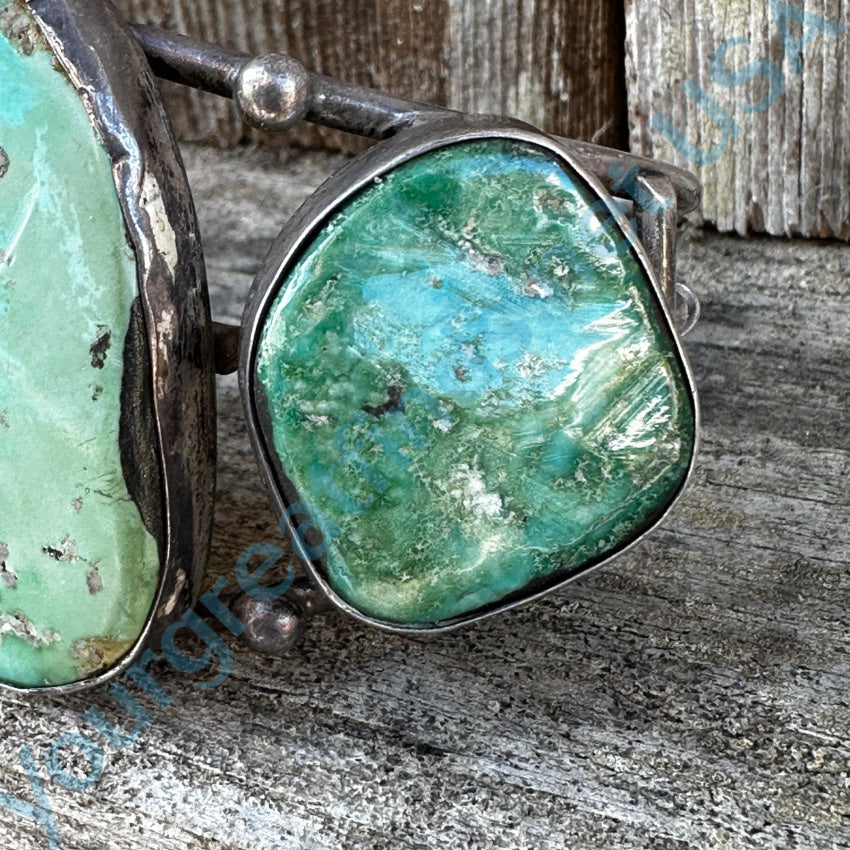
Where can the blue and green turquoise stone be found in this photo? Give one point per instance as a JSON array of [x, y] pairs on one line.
[[78, 569], [476, 394]]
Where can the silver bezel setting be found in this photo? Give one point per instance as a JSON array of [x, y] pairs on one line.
[[312, 216], [105, 65], [172, 367]]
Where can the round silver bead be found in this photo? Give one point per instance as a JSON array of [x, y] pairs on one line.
[[271, 627], [271, 91]]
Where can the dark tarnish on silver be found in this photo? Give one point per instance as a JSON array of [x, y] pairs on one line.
[[659, 195], [168, 406], [274, 626], [299, 232], [275, 91], [168, 413]]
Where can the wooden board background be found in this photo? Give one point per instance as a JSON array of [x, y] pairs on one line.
[[694, 694], [789, 171], [566, 66], [555, 63]]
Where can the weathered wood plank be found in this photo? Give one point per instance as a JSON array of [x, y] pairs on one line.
[[694, 694], [787, 171], [554, 63]]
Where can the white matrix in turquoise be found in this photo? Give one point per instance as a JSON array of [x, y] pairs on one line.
[[78, 569], [477, 398]]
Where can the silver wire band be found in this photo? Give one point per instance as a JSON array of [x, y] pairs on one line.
[[350, 107]]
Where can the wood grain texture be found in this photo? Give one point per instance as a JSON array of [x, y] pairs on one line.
[[788, 172], [555, 63], [692, 695]]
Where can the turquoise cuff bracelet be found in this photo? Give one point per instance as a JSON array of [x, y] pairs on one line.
[[460, 362]]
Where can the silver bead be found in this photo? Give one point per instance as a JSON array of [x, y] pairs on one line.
[[271, 627], [271, 91]]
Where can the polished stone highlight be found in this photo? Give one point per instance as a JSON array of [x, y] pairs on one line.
[[78, 569], [473, 386]]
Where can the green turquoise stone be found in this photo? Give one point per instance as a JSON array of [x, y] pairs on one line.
[[78, 569], [476, 398]]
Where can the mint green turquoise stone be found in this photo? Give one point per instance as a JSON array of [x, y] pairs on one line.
[[78, 569], [475, 400]]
